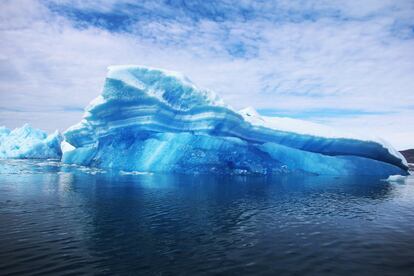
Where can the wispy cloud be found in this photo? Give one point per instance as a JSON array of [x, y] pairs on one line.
[[296, 56]]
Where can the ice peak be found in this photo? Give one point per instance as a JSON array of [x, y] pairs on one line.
[[170, 87]]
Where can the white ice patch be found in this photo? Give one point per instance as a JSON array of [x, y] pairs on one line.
[[134, 173], [66, 147], [396, 178]]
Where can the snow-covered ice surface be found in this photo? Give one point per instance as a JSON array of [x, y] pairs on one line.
[[396, 178], [151, 120], [401, 179], [29, 143]]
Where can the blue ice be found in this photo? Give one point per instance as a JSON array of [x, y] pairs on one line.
[[159, 121]]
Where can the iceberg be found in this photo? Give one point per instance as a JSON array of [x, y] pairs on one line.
[[153, 120], [29, 143]]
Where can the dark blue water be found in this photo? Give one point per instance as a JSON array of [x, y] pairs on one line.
[[67, 220]]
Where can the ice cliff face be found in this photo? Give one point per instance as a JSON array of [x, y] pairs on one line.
[[155, 120], [29, 143]]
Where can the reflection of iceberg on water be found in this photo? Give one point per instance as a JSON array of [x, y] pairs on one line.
[[158, 121]]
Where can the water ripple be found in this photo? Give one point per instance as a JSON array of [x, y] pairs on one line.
[[65, 220]]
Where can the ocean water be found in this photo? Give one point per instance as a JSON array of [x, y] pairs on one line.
[[67, 220]]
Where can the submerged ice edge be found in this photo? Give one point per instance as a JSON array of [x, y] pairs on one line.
[[53, 166]]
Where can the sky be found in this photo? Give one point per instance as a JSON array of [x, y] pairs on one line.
[[346, 64]]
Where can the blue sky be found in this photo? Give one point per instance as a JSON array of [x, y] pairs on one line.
[[348, 64]]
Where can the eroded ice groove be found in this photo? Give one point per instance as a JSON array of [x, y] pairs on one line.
[[155, 120], [29, 143]]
